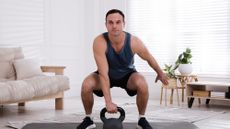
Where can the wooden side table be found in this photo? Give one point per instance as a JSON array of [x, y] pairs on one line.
[[184, 79], [203, 90], [58, 70]]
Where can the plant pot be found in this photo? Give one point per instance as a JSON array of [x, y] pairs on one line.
[[185, 69], [172, 83]]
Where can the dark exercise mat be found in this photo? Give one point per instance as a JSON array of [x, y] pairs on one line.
[[155, 125]]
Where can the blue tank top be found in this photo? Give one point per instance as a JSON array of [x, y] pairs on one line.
[[120, 64]]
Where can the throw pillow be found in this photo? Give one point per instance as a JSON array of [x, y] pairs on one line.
[[7, 70], [26, 68], [18, 54], [6, 56]]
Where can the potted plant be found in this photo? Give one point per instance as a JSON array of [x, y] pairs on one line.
[[169, 70], [184, 63]]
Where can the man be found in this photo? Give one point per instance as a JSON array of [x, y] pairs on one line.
[[114, 52]]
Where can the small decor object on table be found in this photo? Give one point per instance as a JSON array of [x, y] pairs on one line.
[[184, 63]]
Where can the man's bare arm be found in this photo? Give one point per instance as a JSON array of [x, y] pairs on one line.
[[141, 50], [99, 49]]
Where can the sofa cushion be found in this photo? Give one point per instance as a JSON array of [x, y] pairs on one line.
[[5, 94], [26, 68], [7, 56], [11, 53], [18, 90], [44, 85], [18, 53], [7, 70]]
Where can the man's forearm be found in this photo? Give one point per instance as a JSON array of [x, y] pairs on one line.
[[105, 88], [153, 63]]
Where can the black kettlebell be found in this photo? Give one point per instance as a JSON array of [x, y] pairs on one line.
[[112, 123]]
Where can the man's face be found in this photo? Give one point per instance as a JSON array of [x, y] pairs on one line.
[[115, 24]]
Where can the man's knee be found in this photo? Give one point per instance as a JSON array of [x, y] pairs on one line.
[[141, 85], [87, 86], [140, 81]]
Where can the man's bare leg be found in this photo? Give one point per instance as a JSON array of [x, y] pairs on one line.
[[138, 83], [89, 84]]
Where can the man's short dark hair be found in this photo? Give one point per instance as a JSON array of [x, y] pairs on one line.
[[114, 11]]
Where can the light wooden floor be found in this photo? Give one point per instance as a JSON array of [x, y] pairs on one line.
[[45, 109]]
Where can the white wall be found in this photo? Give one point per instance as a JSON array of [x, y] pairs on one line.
[[64, 37]]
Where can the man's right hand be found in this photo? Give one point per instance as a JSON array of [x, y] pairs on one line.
[[163, 78], [111, 107]]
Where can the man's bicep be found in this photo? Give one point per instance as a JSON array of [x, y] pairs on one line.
[[141, 50], [101, 64], [100, 58]]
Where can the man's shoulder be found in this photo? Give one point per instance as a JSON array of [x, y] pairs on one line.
[[99, 38], [136, 43], [134, 39]]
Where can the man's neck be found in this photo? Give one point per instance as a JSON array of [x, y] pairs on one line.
[[118, 39]]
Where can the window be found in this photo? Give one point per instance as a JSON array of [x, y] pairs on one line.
[[22, 24], [168, 27]]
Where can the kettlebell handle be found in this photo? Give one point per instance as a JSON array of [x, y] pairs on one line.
[[121, 110]]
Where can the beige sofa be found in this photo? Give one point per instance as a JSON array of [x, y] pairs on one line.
[[23, 80]]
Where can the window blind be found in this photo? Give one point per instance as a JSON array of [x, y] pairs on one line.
[[22, 25], [169, 27], [151, 21]]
